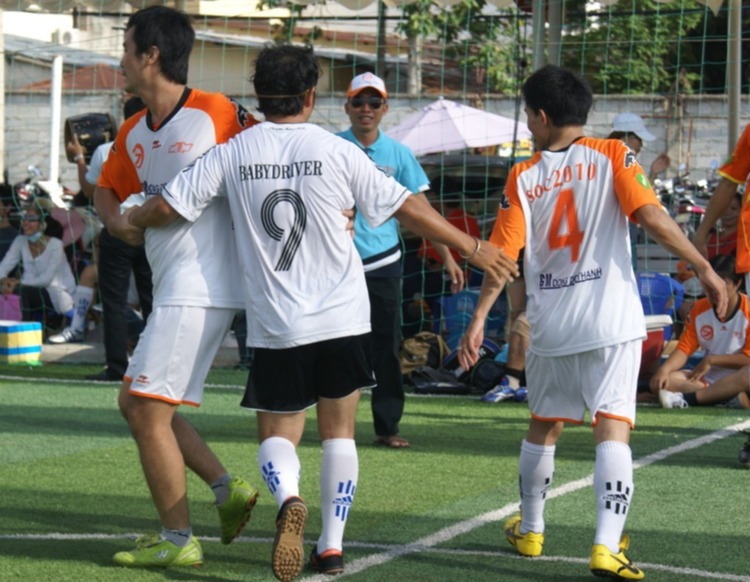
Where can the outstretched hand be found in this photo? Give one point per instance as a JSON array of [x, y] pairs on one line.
[[73, 148], [468, 349], [494, 262], [716, 290]]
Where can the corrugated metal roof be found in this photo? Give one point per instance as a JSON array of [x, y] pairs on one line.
[[47, 51]]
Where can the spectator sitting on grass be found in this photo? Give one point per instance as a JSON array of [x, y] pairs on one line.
[[725, 342]]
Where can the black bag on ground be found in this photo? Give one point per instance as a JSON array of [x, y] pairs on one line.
[[427, 380], [487, 351], [486, 374]]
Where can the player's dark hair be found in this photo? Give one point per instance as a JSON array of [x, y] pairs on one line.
[[564, 96], [171, 32], [282, 76], [132, 106], [724, 265]]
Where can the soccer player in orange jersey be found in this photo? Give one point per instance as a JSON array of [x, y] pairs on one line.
[[569, 207], [195, 298]]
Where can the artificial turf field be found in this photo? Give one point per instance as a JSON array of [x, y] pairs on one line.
[[72, 492]]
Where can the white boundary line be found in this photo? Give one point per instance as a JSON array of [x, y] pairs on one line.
[[388, 547], [463, 527], [116, 383], [428, 543]]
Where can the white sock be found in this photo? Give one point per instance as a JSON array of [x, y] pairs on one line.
[[339, 471], [536, 467], [613, 486], [279, 466], [81, 302]]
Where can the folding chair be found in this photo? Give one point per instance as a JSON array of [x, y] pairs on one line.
[[660, 295]]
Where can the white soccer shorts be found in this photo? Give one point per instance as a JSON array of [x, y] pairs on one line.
[[176, 351], [604, 381]]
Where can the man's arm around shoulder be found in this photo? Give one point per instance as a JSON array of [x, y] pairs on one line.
[[153, 213]]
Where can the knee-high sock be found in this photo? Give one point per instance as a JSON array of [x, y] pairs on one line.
[[339, 471], [536, 468], [81, 303], [613, 486], [280, 468]]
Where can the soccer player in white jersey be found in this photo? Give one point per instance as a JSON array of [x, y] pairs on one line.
[[193, 266], [569, 207], [287, 182]]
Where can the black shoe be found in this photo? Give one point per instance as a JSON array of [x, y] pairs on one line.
[[106, 375], [330, 563]]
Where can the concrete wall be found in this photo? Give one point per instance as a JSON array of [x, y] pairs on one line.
[[695, 134]]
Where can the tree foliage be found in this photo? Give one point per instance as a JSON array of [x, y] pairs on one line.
[[636, 46], [484, 43]]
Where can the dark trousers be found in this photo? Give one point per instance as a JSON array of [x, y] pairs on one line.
[[385, 319], [116, 260], [36, 305]]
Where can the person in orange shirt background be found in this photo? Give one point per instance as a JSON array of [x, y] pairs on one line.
[[450, 206], [724, 342], [733, 173]]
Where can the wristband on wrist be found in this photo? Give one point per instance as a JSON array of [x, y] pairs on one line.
[[78, 157], [476, 250]]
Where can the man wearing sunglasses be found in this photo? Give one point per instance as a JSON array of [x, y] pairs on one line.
[[380, 250]]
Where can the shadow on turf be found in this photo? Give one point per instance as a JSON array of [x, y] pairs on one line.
[[94, 560], [61, 421]]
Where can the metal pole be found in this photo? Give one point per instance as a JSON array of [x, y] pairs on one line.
[[734, 83], [555, 31], [537, 23], [56, 106], [380, 62]]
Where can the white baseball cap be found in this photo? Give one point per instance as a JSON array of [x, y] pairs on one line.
[[632, 123], [365, 81]]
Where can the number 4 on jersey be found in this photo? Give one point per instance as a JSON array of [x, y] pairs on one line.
[[563, 229]]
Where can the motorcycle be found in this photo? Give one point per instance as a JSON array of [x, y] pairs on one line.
[[34, 187], [683, 199]]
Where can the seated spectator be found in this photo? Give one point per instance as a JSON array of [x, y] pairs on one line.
[[725, 343], [47, 287], [630, 128], [7, 230], [732, 391], [82, 299]]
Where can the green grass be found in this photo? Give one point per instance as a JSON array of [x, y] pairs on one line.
[[69, 475]]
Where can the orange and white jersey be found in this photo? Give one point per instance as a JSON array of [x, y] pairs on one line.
[[704, 331], [570, 210], [193, 263], [737, 169]]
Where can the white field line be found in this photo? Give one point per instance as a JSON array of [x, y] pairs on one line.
[[79, 381], [387, 547], [428, 543], [464, 527]]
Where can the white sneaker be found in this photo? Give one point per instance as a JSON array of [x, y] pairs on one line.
[[67, 335], [672, 399]]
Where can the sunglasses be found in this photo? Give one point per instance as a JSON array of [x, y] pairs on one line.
[[31, 219], [373, 102]]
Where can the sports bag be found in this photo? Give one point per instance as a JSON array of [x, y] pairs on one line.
[[423, 349], [427, 380]]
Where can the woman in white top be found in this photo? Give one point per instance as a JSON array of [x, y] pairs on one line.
[[46, 284]]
